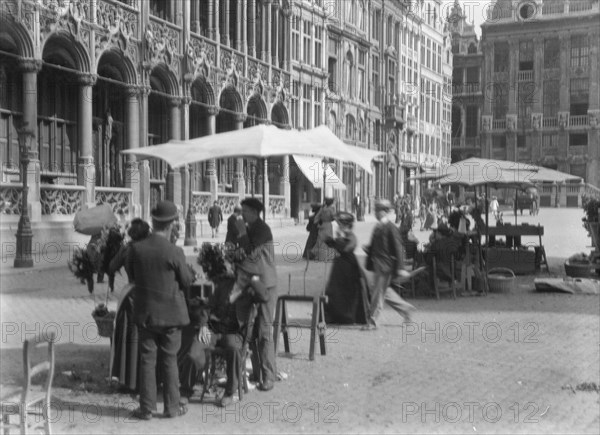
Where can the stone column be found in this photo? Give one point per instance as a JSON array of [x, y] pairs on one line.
[[266, 55], [216, 30], [252, 28], [132, 173], [285, 185], [275, 35], [211, 18], [463, 127], [225, 34], [174, 177], [86, 171], [186, 171], [244, 18], [30, 69], [143, 165], [238, 26], [265, 187], [240, 182], [211, 121], [287, 40]]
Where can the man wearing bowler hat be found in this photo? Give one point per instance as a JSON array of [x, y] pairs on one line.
[[385, 257], [162, 280], [256, 239]]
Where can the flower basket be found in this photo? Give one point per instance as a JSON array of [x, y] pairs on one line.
[[579, 270], [105, 322], [501, 280]]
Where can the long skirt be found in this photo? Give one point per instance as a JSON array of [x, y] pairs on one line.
[[347, 292], [124, 362]]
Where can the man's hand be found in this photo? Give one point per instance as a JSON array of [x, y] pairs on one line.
[[403, 273], [204, 335]]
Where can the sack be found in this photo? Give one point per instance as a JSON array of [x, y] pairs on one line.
[[93, 220]]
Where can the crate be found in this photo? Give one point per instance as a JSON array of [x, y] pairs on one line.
[[501, 280], [519, 261]]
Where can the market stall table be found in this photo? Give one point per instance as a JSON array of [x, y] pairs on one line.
[[512, 256]]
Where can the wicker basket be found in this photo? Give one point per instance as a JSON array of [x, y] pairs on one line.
[[579, 270], [501, 280], [105, 323]]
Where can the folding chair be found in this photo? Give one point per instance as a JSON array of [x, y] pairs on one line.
[[25, 402]]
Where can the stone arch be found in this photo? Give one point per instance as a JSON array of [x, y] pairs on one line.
[[119, 66], [15, 38], [163, 80], [202, 91], [72, 52], [256, 108], [279, 115], [231, 99]]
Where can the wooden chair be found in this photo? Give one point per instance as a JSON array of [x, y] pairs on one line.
[[216, 353], [24, 402], [440, 286]]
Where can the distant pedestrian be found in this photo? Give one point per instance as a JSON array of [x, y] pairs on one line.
[[494, 207], [313, 233], [215, 217], [385, 257]]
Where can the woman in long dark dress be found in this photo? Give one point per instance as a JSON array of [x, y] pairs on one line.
[[124, 361], [313, 232], [347, 290]]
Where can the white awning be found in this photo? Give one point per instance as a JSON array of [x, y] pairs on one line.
[[312, 168]]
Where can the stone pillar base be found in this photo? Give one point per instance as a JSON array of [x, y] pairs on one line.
[[133, 182], [86, 177], [144, 189], [174, 187]]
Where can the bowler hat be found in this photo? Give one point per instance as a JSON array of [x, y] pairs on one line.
[[383, 204], [164, 211]]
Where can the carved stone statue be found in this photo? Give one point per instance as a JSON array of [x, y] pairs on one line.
[[536, 121]]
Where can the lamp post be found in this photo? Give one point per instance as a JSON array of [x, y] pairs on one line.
[[190, 219], [24, 234]]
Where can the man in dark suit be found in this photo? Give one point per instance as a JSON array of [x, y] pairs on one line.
[[232, 233], [215, 217], [386, 259], [162, 280], [256, 239]]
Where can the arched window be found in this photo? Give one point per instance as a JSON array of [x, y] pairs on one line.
[[361, 126], [472, 48], [332, 121], [350, 127]]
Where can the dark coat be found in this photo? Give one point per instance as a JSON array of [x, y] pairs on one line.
[[162, 280], [258, 244], [215, 216], [385, 251], [232, 231]]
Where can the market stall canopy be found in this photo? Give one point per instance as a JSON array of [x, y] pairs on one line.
[[546, 175], [312, 168], [258, 141], [325, 139]]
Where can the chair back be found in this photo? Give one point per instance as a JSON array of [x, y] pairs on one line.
[[29, 371]]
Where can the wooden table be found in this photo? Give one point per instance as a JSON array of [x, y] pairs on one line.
[[520, 231]]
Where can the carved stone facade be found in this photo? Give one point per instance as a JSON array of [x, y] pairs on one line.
[[547, 69]]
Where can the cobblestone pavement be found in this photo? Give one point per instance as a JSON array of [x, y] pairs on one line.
[[496, 364]]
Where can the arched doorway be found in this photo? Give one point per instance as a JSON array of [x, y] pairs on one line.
[[11, 105], [230, 102], [108, 120], [159, 129], [202, 96], [253, 172], [58, 106]]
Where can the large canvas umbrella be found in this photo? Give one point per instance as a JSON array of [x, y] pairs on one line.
[[260, 141]]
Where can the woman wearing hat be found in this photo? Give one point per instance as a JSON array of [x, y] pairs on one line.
[[347, 291], [324, 218]]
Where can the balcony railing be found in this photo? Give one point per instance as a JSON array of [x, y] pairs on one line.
[[525, 76], [499, 124], [552, 8], [578, 121], [394, 115], [578, 150], [472, 142], [466, 88], [579, 6], [550, 122]]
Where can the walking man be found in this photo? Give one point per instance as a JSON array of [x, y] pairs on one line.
[[232, 232], [215, 217], [162, 280], [385, 257], [255, 237]]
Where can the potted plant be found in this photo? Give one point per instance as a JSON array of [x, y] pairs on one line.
[[591, 205]]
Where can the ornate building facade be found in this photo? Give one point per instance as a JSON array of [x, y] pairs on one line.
[[467, 92], [87, 79], [541, 84]]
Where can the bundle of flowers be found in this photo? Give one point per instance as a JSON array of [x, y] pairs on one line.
[[217, 259], [83, 267], [579, 258]]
